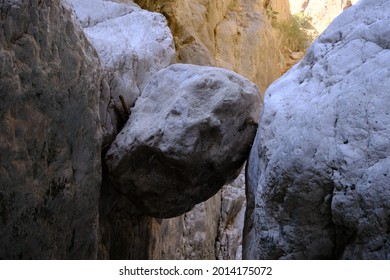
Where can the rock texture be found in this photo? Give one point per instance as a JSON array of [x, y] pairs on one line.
[[233, 34], [231, 222], [132, 44], [189, 132], [321, 13], [211, 230], [51, 81], [318, 173], [50, 136], [199, 29]]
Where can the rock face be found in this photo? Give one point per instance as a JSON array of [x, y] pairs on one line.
[[50, 134], [318, 173], [189, 132], [233, 34], [132, 44], [321, 13], [211, 230], [231, 222]]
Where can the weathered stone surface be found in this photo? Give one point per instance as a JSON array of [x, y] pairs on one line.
[[190, 131], [211, 230], [318, 173], [50, 134], [132, 44], [321, 13], [232, 34], [231, 223], [200, 230]]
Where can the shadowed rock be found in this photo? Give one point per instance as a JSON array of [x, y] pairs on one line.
[[50, 134]]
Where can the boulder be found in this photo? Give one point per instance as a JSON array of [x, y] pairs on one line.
[[188, 134], [50, 134], [132, 44], [318, 174]]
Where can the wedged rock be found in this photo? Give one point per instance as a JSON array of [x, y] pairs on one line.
[[132, 44], [318, 173], [50, 134], [189, 132]]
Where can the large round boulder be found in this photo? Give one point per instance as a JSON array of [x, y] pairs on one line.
[[188, 134]]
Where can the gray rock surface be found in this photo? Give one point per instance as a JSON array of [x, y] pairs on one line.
[[231, 222], [189, 132], [50, 135], [132, 44], [200, 230], [318, 173]]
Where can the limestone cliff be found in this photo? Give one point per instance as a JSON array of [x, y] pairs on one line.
[[50, 134], [233, 34]]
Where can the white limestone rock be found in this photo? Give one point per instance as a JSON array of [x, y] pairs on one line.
[[190, 131], [132, 44], [319, 171]]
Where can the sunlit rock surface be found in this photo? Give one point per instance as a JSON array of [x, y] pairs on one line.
[[132, 44], [232, 34]]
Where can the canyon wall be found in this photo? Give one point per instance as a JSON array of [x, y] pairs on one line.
[[50, 134], [317, 173], [233, 34]]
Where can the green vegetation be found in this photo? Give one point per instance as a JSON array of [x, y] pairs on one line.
[[271, 13], [293, 31]]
